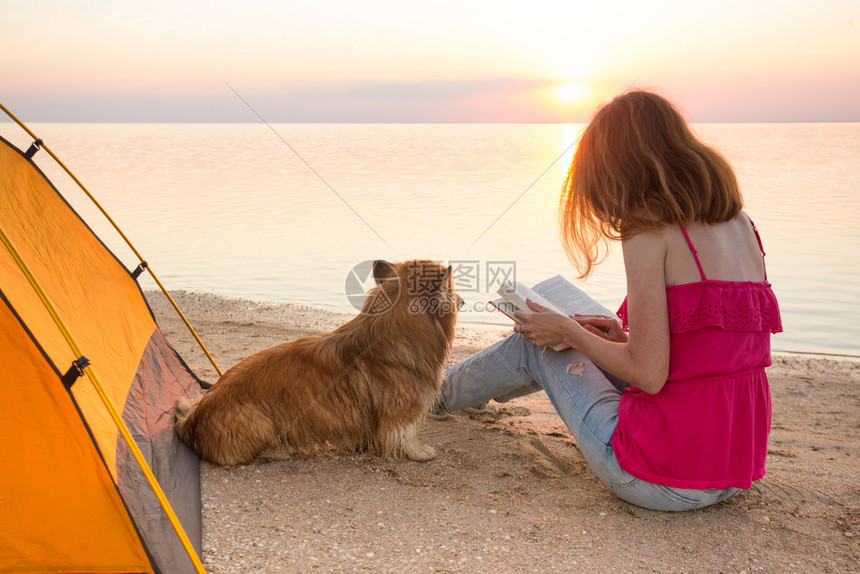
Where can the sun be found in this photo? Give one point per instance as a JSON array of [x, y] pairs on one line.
[[571, 93]]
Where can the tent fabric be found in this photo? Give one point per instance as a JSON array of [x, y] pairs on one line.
[[106, 313], [148, 414], [94, 294], [59, 507]]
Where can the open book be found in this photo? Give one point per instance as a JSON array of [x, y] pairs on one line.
[[556, 293]]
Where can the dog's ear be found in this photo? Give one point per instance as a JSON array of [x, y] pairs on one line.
[[446, 275], [382, 271], [442, 281]]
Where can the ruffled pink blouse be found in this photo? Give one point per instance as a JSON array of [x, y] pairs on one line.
[[708, 426]]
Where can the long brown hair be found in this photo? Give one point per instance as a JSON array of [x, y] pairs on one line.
[[638, 167]]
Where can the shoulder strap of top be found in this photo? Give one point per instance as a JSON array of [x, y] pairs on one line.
[[760, 246], [693, 250]]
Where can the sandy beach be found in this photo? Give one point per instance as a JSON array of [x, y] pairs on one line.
[[509, 491]]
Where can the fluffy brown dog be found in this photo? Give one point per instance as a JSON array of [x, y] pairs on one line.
[[364, 386]]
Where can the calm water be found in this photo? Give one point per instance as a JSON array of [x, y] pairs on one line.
[[230, 209]]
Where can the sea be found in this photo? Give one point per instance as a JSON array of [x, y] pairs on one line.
[[294, 212]]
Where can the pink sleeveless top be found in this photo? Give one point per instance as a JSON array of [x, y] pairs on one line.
[[708, 425]]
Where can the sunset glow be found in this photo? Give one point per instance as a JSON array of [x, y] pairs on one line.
[[571, 93], [380, 61]]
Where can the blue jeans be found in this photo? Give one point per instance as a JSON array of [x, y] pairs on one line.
[[585, 397]]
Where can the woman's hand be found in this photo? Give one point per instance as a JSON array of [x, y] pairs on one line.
[[608, 328], [542, 326]]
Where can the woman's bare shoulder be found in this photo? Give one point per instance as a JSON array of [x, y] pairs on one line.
[[650, 238], [646, 249]]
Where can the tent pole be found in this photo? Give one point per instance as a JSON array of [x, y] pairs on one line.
[[117, 419], [121, 234]]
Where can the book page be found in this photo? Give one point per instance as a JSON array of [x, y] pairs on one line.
[[555, 293], [568, 298], [514, 297], [517, 293]]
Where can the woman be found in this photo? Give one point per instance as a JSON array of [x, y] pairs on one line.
[[671, 406]]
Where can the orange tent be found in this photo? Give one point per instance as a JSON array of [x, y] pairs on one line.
[[73, 498]]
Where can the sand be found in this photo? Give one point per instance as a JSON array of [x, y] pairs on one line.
[[509, 491]]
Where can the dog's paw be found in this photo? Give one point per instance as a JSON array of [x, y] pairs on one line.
[[279, 450], [421, 453]]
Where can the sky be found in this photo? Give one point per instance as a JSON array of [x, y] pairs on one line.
[[440, 61]]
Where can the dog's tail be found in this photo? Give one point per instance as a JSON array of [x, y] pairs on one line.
[[182, 410]]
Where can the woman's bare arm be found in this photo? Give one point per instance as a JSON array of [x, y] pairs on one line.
[[643, 360]]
